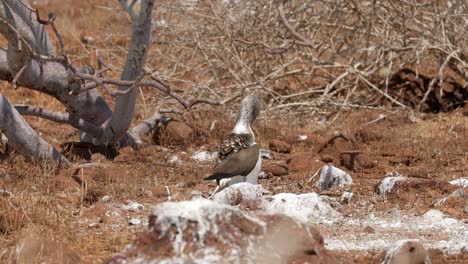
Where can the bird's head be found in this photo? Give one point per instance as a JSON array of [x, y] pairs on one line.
[[249, 109]]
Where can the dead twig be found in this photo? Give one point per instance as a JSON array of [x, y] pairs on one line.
[[17, 75]]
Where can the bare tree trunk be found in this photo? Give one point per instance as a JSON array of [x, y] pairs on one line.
[[124, 110], [27, 62], [22, 137]]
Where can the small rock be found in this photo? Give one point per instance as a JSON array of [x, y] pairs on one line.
[[369, 229], [406, 252], [106, 198], [386, 185], [93, 225], [235, 194], [6, 193], [88, 40], [346, 197], [304, 162], [356, 161], [300, 137], [263, 175], [265, 154], [196, 194], [395, 183], [174, 160], [134, 221], [437, 218], [302, 207], [276, 169], [173, 134], [280, 146], [464, 250], [462, 182], [204, 155], [462, 192], [331, 176], [133, 206]]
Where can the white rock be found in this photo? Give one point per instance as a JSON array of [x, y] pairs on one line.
[[438, 219], [3, 139], [457, 193], [6, 193], [204, 155], [133, 206], [174, 160], [302, 138], [204, 231], [106, 198], [303, 207], [462, 182], [196, 194], [346, 197], [331, 176], [238, 193], [265, 154], [406, 252], [263, 175], [134, 221], [387, 183], [93, 225]]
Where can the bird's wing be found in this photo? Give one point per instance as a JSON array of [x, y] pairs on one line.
[[237, 163], [234, 143]]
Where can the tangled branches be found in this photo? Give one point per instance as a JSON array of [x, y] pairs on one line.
[[305, 55]]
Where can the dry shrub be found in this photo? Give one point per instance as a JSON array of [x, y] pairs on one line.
[[309, 54]]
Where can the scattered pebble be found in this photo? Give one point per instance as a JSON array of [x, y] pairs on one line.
[[464, 250], [265, 154], [369, 229], [134, 221], [280, 146], [263, 175], [331, 176], [93, 225], [6, 193], [346, 197], [174, 160], [462, 182], [389, 181], [133, 206], [106, 198], [204, 155], [195, 194], [239, 193], [406, 252]]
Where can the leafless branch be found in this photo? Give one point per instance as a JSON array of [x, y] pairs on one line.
[[18, 74], [61, 118]]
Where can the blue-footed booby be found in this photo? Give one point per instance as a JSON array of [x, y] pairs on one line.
[[239, 154]]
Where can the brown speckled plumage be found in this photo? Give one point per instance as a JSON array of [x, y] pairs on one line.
[[234, 143], [239, 155]]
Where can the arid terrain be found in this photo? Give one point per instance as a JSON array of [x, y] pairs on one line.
[[93, 212]]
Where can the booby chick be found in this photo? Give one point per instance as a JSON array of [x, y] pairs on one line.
[[239, 154]]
